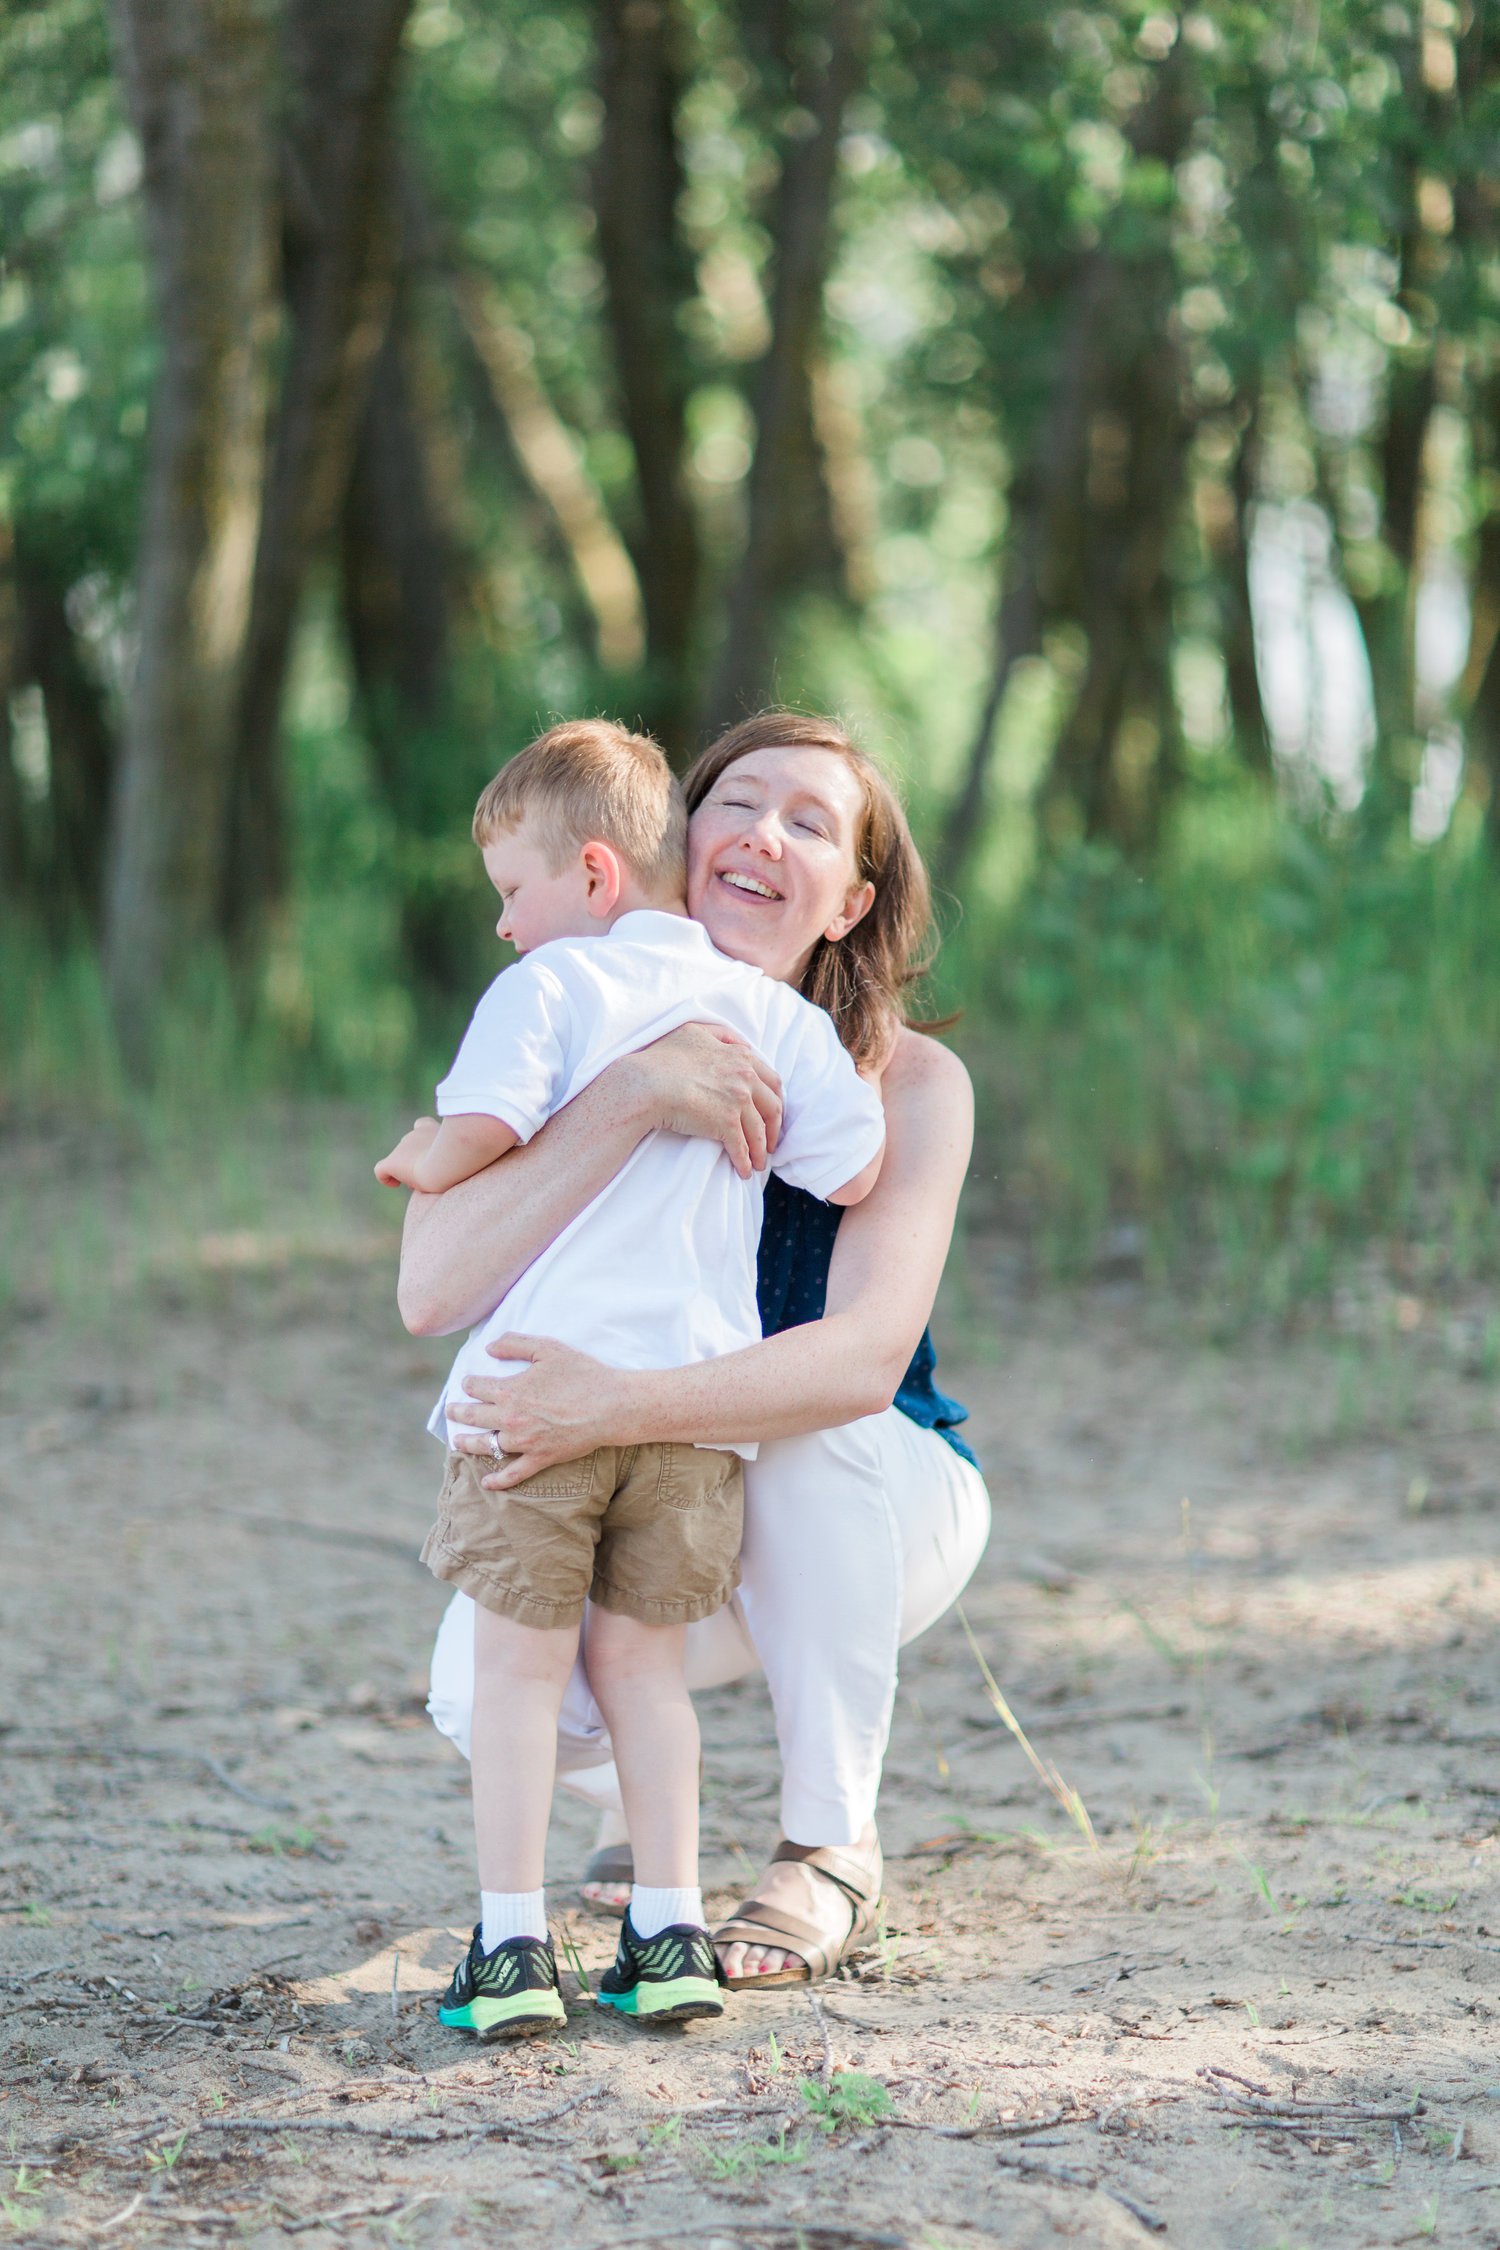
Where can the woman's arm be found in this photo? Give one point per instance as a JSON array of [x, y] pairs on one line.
[[887, 1262], [461, 1251]]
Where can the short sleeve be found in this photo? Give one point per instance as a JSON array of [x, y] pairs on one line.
[[513, 1059], [834, 1122]]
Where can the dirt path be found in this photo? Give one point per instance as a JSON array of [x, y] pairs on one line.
[[235, 1863]]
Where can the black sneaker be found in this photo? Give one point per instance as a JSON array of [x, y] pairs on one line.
[[508, 1994], [669, 1977]]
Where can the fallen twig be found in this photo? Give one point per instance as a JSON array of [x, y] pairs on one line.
[[1366, 2113], [799, 2230], [1216, 2070], [393, 2207], [1065, 2176], [501, 2129], [1060, 1968], [1265, 2106], [107, 1750], [1428, 1944], [827, 2070], [107, 2226]]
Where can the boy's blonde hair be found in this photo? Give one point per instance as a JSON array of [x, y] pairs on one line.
[[591, 780]]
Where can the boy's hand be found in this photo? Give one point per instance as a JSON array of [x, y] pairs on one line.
[[397, 1169]]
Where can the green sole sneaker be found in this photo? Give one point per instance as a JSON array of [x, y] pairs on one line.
[[670, 1978], [673, 2000], [520, 2018], [508, 1994]]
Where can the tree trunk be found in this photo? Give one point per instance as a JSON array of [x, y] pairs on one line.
[[1483, 718], [790, 539], [198, 74], [1119, 756], [649, 278], [80, 739], [339, 258], [1018, 633], [395, 563], [1040, 500], [398, 570], [1387, 616], [1247, 710], [550, 458]]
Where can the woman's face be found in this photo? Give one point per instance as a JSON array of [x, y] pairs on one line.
[[771, 858]]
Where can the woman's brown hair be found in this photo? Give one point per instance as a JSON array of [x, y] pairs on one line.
[[860, 978]]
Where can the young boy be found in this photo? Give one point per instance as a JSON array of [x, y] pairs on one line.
[[584, 837]]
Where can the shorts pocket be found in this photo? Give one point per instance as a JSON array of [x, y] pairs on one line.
[[565, 1480], [693, 1474]]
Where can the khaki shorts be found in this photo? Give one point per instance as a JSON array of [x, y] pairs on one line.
[[651, 1531]]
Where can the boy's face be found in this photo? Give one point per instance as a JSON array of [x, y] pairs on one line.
[[536, 904]]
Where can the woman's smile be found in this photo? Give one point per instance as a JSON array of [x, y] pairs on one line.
[[753, 886]]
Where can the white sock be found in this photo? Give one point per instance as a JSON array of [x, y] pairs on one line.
[[651, 1911], [508, 1914]]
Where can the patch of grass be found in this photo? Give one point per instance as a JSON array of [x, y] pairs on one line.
[[1267, 1052], [283, 1843], [850, 2097], [747, 2158]]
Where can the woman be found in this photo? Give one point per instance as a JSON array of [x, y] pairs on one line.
[[864, 1514]]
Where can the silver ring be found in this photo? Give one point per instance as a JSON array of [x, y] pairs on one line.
[[495, 1446]]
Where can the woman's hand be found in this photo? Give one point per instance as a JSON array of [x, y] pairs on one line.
[[563, 1406], [704, 1082]]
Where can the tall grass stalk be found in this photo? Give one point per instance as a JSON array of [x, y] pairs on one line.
[[1066, 1795]]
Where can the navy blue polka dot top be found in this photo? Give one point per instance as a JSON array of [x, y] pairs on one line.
[[796, 1245]]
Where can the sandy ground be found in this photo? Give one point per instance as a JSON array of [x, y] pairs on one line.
[[1246, 1602]]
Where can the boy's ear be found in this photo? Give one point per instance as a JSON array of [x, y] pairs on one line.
[[605, 872]]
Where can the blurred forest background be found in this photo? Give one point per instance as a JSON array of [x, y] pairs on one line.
[[1100, 408]]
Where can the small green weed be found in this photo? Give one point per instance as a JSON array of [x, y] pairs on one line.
[[747, 2158], [1423, 1902], [165, 2159], [1251, 1867], [851, 2097], [282, 1843], [574, 1959], [36, 1914]]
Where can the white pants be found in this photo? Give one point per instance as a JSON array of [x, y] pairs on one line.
[[856, 1540]]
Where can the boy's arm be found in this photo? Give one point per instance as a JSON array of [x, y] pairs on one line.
[[433, 1157], [833, 1140], [855, 1190]]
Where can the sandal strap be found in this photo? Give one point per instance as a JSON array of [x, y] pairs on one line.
[[856, 1876], [759, 1923]]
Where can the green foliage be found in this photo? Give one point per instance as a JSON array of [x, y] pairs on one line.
[[848, 2098], [1274, 1050]]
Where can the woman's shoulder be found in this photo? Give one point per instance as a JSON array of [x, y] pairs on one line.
[[921, 1068]]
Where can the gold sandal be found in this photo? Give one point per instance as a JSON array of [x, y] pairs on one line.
[[841, 1895]]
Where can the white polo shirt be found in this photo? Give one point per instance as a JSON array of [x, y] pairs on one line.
[[659, 1270]]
